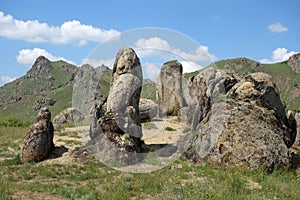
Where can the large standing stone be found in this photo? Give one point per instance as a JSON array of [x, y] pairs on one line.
[[124, 94], [116, 133], [38, 141], [169, 88]]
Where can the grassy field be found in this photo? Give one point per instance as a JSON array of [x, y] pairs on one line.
[[90, 180]]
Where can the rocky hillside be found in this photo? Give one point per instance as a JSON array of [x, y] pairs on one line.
[[51, 84], [45, 84]]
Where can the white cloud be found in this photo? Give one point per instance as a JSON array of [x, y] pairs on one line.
[[151, 71], [95, 63], [70, 32], [28, 56], [277, 28], [279, 55], [7, 79], [156, 46], [190, 66]]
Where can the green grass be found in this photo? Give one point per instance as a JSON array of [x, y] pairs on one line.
[[95, 181], [170, 129], [149, 125]]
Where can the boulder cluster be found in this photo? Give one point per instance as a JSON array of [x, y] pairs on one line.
[[239, 121], [235, 120]]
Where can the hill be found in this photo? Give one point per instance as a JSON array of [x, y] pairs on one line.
[[51, 84]]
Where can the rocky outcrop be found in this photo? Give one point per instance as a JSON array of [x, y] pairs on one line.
[[38, 141], [124, 94], [41, 67], [239, 122], [297, 140], [294, 62], [69, 115], [119, 126], [204, 89], [243, 135], [259, 88], [169, 89], [148, 110]]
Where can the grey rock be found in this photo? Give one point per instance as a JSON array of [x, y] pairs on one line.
[[243, 135], [240, 122], [296, 145], [208, 86], [294, 62], [259, 88], [124, 94], [169, 89], [69, 115], [38, 141], [148, 109]]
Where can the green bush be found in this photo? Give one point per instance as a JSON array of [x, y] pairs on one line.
[[14, 122], [170, 129]]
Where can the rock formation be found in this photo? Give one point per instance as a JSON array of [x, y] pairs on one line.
[[239, 122], [125, 89], [117, 131], [69, 115], [169, 88], [38, 141], [148, 109], [294, 62], [206, 87], [297, 140]]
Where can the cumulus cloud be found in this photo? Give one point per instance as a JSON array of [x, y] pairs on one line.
[[155, 45], [28, 56], [151, 71], [95, 63], [7, 79], [70, 32], [190, 66], [277, 28], [278, 55]]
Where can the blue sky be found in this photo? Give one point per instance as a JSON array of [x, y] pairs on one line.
[[264, 30]]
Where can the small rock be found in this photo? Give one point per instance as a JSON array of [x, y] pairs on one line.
[[38, 141]]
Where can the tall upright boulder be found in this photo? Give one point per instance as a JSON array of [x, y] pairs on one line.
[[125, 89], [116, 133], [169, 88], [38, 141]]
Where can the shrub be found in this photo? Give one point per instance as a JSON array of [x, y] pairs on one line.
[[170, 129]]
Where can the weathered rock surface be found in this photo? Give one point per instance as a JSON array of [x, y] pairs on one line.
[[119, 126], [38, 141], [148, 109], [259, 88], [294, 62], [205, 88], [241, 134], [169, 89], [41, 67], [68, 115], [240, 122], [297, 140], [124, 94]]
